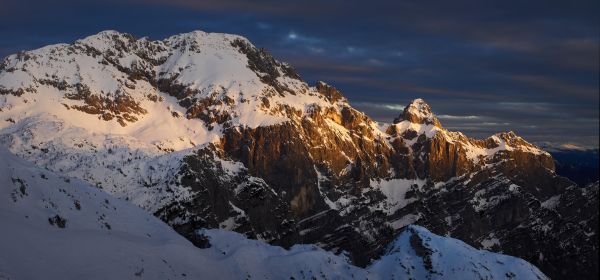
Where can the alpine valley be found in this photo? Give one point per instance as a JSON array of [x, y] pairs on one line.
[[210, 134]]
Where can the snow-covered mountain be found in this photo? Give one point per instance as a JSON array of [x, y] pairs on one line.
[[54, 227], [206, 131]]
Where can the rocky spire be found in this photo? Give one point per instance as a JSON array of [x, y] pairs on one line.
[[418, 112]]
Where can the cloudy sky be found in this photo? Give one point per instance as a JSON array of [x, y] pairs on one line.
[[483, 66]]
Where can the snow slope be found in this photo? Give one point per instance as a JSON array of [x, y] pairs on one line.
[[54, 227], [207, 65], [418, 254]]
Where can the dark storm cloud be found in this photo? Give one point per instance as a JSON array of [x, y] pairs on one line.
[[484, 66]]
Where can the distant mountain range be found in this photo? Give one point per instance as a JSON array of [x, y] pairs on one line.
[[204, 130]]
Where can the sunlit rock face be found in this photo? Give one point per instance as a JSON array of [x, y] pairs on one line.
[[206, 130]]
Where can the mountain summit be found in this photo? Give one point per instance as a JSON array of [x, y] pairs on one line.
[[204, 130], [419, 112]]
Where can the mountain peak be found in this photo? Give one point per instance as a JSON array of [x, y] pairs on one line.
[[418, 111], [107, 35]]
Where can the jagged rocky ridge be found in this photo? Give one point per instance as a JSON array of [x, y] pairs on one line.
[[205, 130]]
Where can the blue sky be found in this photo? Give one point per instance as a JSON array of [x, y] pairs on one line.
[[483, 66]]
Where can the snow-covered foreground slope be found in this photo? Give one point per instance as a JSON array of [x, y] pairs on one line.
[[54, 227], [101, 237], [418, 254], [59, 228]]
